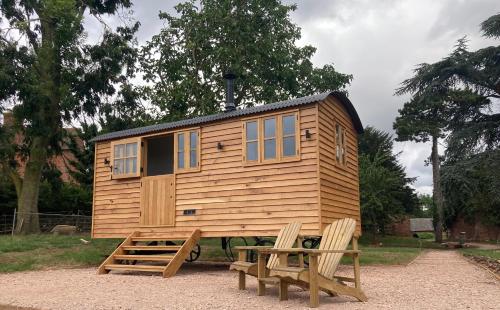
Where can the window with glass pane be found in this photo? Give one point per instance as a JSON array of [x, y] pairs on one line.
[[180, 150], [337, 142], [270, 138], [340, 144], [252, 142], [343, 147], [193, 142], [289, 136], [125, 158]]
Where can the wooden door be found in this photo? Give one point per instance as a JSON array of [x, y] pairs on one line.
[[158, 201]]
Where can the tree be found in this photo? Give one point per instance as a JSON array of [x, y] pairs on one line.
[[384, 187], [52, 76], [255, 40], [472, 188], [455, 96], [425, 116]]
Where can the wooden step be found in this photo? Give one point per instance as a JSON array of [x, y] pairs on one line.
[[135, 267], [149, 239], [155, 258], [152, 247], [172, 263]]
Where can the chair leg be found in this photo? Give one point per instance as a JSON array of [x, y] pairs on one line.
[[261, 273], [313, 282], [283, 290], [241, 280]]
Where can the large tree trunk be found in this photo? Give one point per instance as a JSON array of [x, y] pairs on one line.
[[27, 203], [437, 193]]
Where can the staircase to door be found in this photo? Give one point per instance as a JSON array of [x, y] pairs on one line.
[[151, 254]]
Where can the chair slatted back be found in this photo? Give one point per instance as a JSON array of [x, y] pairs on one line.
[[285, 240], [336, 236]]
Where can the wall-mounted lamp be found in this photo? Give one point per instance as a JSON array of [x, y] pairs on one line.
[[308, 134], [106, 161], [220, 146]]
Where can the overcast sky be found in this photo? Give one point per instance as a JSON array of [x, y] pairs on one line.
[[379, 42]]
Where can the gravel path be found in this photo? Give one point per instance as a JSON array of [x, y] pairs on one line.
[[435, 280]]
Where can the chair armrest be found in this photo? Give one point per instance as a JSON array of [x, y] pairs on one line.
[[278, 251], [250, 247], [319, 252]]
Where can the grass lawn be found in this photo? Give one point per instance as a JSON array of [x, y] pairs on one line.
[[493, 254], [36, 252], [391, 255]]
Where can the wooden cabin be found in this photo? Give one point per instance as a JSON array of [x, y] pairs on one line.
[[246, 172]]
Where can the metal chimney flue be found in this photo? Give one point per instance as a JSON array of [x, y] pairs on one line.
[[229, 77]]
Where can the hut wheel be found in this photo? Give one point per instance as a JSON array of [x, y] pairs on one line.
[[195, 254], [310, 243], [229, 243]]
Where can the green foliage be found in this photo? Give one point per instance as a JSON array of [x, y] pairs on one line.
[[384, 187], [491, 27], [425, 201], [255, 40], [52, 76], [7, 195], [472, 188]]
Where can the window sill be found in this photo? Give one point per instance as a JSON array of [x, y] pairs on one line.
[[269, 162], [179, 171], [124, 176]]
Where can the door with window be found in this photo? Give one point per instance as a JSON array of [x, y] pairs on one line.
[[158, 182], [164, 157]]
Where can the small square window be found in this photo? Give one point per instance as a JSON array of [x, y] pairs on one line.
[[125, 158]]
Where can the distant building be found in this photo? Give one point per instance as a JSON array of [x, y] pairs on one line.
[[61, 162]]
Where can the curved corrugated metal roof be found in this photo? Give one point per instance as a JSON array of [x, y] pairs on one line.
[[237, 113]]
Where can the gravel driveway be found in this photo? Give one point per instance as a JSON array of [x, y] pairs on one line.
[[435, 280]]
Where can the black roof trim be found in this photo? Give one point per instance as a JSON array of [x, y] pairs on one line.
[[237, 113]]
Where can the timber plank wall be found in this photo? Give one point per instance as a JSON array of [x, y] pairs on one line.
[[230, 199], [339, 185]]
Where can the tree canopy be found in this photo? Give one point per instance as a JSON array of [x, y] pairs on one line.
[[50, 75], [384, 187], [255, 40], [457, 99]]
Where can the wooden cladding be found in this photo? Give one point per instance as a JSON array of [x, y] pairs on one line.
[[158, 201], [126, 158], [338, 164], [187, 154], [271, 138], [226, 197]]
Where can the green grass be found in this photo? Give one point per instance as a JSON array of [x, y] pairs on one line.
[[396, 241], [493, 254], [211, 250], [35, 252]]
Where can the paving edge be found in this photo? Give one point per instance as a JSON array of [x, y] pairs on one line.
[[496, 276], [422, 251]]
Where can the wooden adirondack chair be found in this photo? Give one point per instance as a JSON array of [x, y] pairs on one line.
[[321, 274], [287, 237]]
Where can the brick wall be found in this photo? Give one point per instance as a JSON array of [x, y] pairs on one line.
[[474, 230], [401, 228]]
